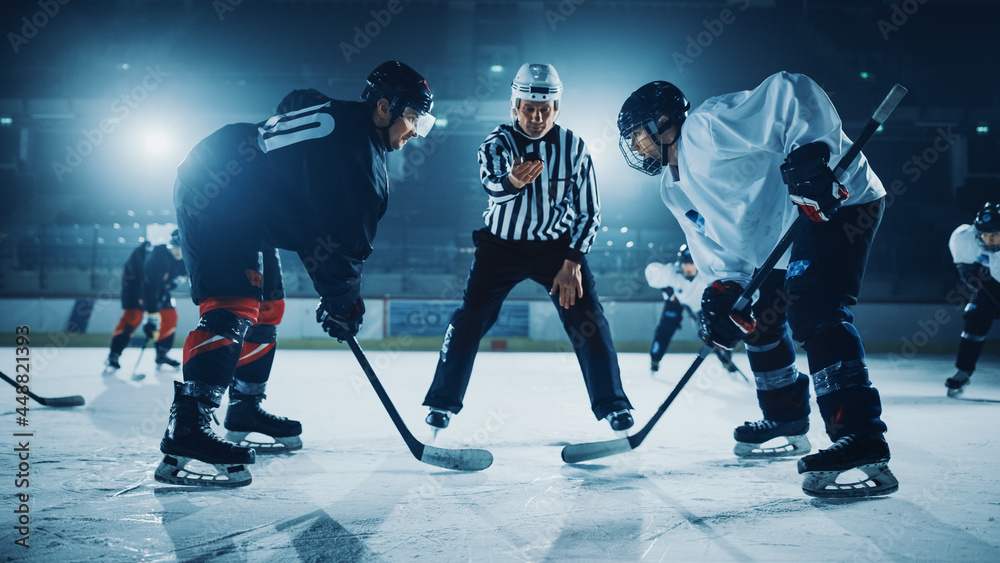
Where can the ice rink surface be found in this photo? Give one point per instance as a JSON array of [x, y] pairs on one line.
[[356, 493]]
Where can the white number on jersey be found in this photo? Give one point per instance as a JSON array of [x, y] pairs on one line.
[[306, 124]]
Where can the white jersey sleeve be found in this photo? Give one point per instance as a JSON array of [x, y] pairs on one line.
[[726, 190]]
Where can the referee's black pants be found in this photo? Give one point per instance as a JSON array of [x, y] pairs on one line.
[[497, 267]]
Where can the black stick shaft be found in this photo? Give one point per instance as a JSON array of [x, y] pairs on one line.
[[639, 436]]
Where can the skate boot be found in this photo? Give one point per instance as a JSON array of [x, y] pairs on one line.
[[166, 363], [957, 383], [620, 421], [189, 437], [654, 366], [111, 364], [751, 436], [867, 453], [244, 416]]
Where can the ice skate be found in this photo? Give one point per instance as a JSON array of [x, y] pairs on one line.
[[751, 437], [868, 454], [189, 437], [654, 366], [111, 365], [166, 363], [620, 421], [244, 416], [957, 383], [438, 419]]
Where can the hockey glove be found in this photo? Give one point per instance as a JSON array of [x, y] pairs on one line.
[[343, 325], [152, 326], [811, 183], [972, 275], [716, 327]]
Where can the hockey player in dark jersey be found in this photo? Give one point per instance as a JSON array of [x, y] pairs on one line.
[[312, 180], [150, 273]]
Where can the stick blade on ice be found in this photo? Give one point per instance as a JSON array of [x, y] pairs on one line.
[[73, 401], [575, 453], [459, 460]]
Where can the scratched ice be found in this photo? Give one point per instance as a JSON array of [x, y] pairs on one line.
[[356, 493]]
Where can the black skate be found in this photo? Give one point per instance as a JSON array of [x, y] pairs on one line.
[[189, 437], [111, 364], [620, 421], [869, 454], [166, 363], [750, 438], [654, 366], [244, 416], [957, 383]]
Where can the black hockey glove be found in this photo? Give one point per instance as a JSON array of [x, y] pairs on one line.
[[716, 327], [152, 327], [972, 275], [811, 183], [341, 326]]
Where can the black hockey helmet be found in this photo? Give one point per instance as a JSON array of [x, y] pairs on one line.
[[988, 221], [641, 111], [403, 87], [684, 255]]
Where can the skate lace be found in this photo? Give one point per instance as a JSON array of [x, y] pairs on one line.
[[263, 413], [205, 423], [838, 448], [761, 424]]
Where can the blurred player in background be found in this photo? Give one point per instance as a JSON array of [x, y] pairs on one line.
[[682, 288], [975, 250], [150, 273]]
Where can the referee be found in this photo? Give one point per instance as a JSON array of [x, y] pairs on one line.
[[543, 214]]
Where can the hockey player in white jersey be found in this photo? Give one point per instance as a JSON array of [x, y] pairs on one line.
[[682, 287], [975, 250], [738, 171]]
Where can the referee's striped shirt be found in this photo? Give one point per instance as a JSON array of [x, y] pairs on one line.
[[561, 203]]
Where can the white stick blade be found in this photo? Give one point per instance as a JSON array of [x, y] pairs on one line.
[[575, 453], [459, 460]]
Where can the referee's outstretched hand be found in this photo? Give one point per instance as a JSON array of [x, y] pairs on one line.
[[524, 173]]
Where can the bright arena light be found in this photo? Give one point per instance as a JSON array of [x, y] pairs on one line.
[[157, 143]]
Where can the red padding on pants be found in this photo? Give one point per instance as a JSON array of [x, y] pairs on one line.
[[271, 312]]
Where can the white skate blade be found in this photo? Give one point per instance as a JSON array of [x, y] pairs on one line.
[[955, 393], [278, 446], [823, 484], [109, 371], [172, 471], [795, 446]]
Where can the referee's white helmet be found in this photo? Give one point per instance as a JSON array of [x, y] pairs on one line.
[[535, 82]]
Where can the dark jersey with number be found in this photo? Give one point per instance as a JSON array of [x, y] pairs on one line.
[[312, 181], [159, 274]]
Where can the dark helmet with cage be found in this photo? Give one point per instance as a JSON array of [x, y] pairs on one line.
[[404, 88], [639, 122], [988, 221], [684, 255]]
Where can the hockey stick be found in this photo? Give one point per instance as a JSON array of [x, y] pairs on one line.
[[878, 118], [575, 453], [460, 460], [73, 401], [139, 376]]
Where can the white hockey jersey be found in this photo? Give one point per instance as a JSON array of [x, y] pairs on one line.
[[965, 249], [687, 292], [726, 191]]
